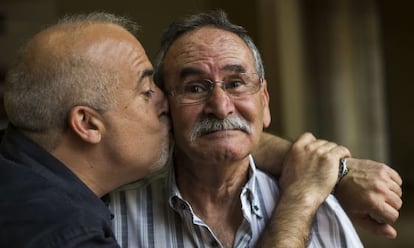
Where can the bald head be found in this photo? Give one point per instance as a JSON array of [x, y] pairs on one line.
[[76, 38], [68, 64]]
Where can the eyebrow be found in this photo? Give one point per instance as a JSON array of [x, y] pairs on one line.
[[194, 71], [146, 73], [185, 72], [234, 68]]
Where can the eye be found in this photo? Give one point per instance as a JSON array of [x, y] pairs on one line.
[[196, 87], [148, 93], [235, 84]]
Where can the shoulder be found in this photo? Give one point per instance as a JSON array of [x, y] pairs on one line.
[[76, 230], [36, 202], [146, 193], [47, 218]]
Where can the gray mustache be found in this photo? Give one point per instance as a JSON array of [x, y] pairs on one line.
[[207, 125]]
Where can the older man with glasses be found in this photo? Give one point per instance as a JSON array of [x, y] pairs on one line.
[[212, 194]]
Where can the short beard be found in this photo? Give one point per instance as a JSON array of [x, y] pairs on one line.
[[163, 156], [207, 125]]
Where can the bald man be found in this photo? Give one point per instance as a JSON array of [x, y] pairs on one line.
[[85, 117]]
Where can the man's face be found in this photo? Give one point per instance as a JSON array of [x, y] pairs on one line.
[[137, 127], [214, 54]]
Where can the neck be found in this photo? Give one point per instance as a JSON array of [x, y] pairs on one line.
[[213, 190], [87, 164], [88, 172], [214, 180]]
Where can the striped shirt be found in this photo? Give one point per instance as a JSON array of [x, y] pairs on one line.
[[152, 213]]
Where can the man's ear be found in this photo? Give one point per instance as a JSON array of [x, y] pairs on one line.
[[266, 108], [87, 123]]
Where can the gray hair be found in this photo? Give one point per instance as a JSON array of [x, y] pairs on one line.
[[39, 95], [217, 19]]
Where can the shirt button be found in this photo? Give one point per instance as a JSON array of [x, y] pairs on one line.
[[256, 207]]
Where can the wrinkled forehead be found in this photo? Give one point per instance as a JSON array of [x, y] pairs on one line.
[[209, 49]]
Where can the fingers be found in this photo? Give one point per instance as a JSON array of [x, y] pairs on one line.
[[323, 146], [311, 166], [371, 194], [378, 174], [304, 139], [387, 215], [388, 185], [343, 151], [395, 188], [396, 182], [329, 151], [391, 176], [394, 176], [394, 200], [381, 229]]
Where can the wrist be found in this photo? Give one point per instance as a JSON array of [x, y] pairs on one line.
[[304, 201], [342, 172]]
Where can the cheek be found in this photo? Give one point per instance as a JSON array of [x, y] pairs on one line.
[[145, 117], [183, 119], [253, 112]]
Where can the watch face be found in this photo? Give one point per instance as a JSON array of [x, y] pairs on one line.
[[343, 169]]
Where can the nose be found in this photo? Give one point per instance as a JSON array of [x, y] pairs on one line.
[[219, 103], [161, 100]]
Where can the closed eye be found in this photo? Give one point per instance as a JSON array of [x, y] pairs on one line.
[[149, 93]]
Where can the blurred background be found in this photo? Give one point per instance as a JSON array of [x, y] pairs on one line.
[[341, 69]]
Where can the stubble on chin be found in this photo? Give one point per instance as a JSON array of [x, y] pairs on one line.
[[163, 156]]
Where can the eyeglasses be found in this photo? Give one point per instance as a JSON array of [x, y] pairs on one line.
[[235, 85]]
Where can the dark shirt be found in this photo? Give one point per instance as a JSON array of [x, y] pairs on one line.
[[43, 204]]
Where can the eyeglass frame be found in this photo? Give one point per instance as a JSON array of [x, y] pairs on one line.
[[222, 85]]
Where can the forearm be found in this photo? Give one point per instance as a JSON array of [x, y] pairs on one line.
[[289, 226], [270, 153]]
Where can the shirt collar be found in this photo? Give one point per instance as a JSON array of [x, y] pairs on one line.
[[250, 203]]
